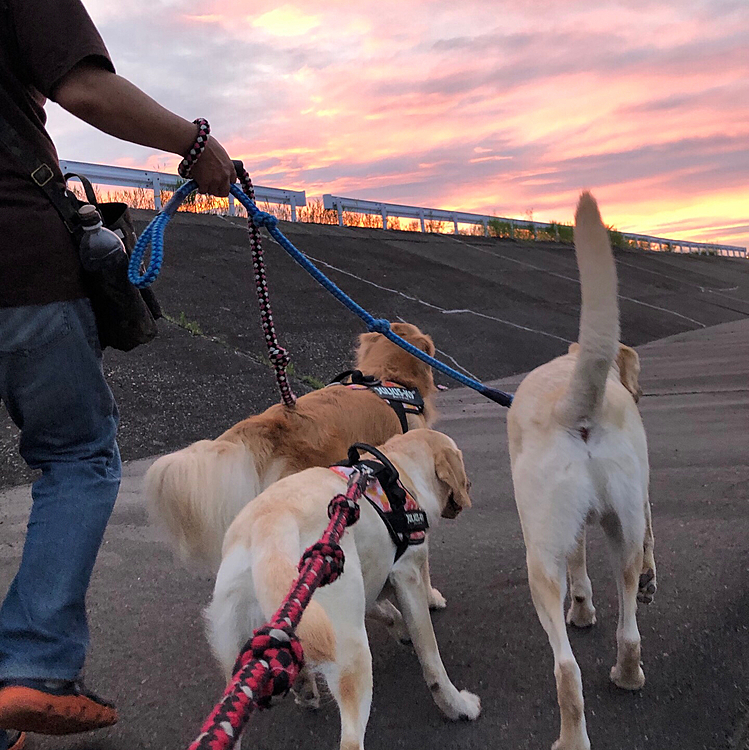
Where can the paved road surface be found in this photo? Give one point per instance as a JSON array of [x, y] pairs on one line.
[[517, 300], [150, 656]]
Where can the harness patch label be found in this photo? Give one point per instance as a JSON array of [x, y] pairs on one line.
[[398, 393]]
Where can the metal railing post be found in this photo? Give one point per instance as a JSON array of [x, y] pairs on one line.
[[340, 214], [156, 192], [232, 211], [293, 208], [421, 218], [384, 218]]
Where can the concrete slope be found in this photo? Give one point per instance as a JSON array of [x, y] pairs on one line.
[[149, 653], [495, 307]]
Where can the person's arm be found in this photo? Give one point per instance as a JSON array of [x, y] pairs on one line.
[[114, 105]]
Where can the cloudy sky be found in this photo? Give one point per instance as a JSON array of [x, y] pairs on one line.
[[491, 107]]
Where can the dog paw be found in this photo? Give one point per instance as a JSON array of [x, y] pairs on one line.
[[436, 600], [581, 744], [398, 629], [647, 586], [627, 679], [581, 614], [306, 693], [470, 707]]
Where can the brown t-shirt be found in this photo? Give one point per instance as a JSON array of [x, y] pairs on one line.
[[40, 41]]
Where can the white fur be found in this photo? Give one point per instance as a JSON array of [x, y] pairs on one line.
[[262, 548], [599, 318], [579, 453]]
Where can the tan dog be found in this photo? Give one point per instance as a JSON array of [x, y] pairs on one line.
[[198, 491], [262, 550], [579, 454]]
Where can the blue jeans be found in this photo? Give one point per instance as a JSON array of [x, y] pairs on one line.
[[52, 383]]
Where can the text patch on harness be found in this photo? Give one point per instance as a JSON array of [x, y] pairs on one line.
[[406, 522], [401, 399]]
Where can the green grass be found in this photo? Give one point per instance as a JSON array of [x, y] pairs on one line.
[[312, 382], [499, 228], [560, 232], [192, 326]]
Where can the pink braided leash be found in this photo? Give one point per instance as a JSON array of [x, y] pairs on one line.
[[271, 660], [278, 356]]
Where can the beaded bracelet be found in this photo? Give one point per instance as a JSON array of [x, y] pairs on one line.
[[192, 156]]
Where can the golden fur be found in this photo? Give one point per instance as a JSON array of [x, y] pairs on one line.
[[262, 550], [197, 492]]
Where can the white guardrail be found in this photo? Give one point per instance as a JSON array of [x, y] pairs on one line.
[[340, 204], [102, 174]]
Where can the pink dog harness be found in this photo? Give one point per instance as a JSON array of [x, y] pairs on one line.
[[406, 522]]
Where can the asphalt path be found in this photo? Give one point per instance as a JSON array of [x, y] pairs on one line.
[[149, 654]]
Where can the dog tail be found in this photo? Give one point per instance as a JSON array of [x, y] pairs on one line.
[[198, 491], [599, 317], [276, 550]]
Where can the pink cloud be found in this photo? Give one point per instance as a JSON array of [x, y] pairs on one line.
[[483, 106]]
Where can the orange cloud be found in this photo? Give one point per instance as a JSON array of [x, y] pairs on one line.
[[482, 106]]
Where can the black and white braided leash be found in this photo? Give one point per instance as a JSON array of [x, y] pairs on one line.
[[278, 356]]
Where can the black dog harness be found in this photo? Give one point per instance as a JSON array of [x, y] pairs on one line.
[[405, 521], [401, 400]]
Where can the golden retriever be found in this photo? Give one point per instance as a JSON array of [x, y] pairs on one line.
[[262, 550], [579, 454], [198, 491]]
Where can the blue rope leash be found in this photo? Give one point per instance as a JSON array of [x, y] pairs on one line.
[[153, 236]]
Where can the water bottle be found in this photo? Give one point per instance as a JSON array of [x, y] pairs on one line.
[[100, 248]]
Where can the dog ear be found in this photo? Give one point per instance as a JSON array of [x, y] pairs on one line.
[[450, 469], [628, 362], [425, 343], [366, 340]]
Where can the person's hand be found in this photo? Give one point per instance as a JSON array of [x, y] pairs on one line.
[[214, 171]]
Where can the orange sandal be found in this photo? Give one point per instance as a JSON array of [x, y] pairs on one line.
[[65, 710]]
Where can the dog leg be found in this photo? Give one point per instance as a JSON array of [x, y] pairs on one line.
[[581, 613], [548, 592], [386, 613], [647, 584], [350, 681], [410, 586], [627, 672], [305, 690], [435, 599]]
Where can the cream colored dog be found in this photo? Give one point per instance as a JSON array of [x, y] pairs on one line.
[[262, 550], [579, 454]]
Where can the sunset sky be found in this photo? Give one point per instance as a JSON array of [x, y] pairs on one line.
[[489, 107]]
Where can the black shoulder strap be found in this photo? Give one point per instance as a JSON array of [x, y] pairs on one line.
[[39, 172], [21, 149], [400, 412]]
